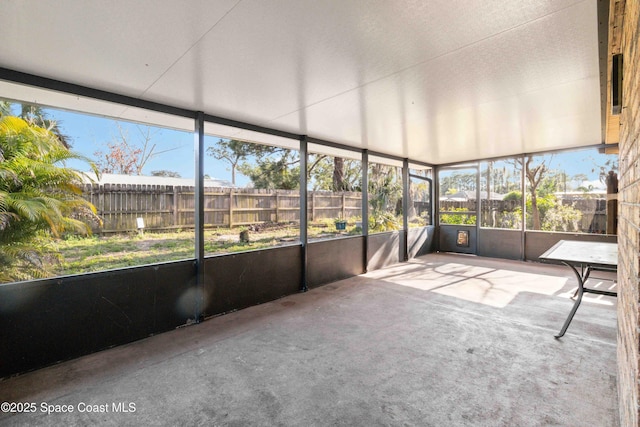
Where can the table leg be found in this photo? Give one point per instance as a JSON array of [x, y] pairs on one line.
[[584, 280], [581, 279]]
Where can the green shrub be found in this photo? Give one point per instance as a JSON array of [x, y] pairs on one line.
[[457, 218], [40, 198]]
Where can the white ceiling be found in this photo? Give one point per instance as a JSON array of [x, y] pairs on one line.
[[436, 81]]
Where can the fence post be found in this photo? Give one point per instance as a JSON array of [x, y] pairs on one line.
[[121, 202], [175, 206], [277, 207], [313, 206], [344, 206], [230, 209], [100, 206]]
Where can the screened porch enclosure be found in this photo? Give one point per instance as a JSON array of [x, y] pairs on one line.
[[224, 155], [393, 210]]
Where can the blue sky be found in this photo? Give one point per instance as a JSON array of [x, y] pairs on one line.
[[89, 134]]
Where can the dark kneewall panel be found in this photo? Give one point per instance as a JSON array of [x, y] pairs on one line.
[[236, 281], [384, 249], [334, 259], [420, 241], [500, 243], [51, 320]]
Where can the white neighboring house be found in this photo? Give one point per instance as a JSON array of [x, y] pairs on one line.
[[465, 196], [111, 178]]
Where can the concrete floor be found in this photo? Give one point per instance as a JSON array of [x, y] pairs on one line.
[[443, 340]]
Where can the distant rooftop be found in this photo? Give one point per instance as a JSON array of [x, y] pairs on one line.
[[110, 178], [462, 196]]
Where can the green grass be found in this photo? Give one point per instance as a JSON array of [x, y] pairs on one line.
[[96, 253], [82, 255]]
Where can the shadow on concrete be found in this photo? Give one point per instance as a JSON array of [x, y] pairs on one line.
[[386, 348]]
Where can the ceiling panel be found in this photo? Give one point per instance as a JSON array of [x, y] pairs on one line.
[[114, 45], [436, 81], [476, 102]]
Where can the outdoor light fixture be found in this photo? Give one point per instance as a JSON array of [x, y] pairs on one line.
[[616, 84]]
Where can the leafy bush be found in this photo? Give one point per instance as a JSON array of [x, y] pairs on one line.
[[562, 218], [457, 218], [384, 221], [554, 216], [39, 198], [513, 196]]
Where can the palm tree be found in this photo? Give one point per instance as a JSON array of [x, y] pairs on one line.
[[39, 197], [35, 115], [5, 108]]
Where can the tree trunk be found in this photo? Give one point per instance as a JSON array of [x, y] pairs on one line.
[[534, 176], [338, 174], [534, 211]]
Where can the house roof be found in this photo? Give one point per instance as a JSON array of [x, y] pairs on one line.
[[109, 178], [462, 196], [433, 81]]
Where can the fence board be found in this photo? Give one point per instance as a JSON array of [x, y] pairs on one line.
[[171, 207]]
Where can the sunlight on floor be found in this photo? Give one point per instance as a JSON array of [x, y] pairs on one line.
[[493, 287], [606, 285]]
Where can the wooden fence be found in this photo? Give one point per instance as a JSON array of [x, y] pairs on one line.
[[164, 207]]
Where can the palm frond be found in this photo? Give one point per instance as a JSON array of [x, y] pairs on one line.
[[38, 193]]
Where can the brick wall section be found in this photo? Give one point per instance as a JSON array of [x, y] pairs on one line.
[[629, 223]]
